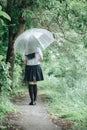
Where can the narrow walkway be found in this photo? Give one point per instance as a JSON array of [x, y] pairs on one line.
[[33, 117]]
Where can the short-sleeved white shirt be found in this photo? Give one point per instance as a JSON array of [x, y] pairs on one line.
[[34, 61]]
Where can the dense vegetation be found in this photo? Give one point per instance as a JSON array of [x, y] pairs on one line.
[[64, 65]]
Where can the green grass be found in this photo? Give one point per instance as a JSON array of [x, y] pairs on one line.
[[65, 102], [5, 106]]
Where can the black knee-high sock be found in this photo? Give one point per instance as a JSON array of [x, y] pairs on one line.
[[31, 93], [35, 91]]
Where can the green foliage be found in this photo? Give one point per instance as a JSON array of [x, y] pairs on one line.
[[5, 106], [5, 81], [17, 79], [59, 16], [65, 64], [65, 84], [18, 86], [4, 15]]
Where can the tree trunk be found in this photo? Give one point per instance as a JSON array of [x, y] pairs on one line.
[[12, 36]]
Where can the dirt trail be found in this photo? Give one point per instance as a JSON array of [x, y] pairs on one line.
[[33, 117]]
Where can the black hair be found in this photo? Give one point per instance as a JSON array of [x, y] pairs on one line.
[[31, 56]]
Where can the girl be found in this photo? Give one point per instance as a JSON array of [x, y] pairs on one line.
[[33, 73]]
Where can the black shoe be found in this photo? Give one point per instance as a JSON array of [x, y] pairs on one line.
[[31, 103]]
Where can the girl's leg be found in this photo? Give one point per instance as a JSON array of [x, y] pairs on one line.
[[32, 92], [35, 92], [30, 88]]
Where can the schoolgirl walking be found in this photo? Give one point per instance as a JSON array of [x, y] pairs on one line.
[[33, 72]]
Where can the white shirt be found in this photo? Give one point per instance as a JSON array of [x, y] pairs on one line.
[[34, 61]]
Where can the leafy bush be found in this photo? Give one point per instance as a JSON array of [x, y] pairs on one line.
[[18, 75], [17, 79], [5, 106], [5, 81], [65, 84]]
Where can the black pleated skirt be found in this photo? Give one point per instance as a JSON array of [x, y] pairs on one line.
[[33, 73]]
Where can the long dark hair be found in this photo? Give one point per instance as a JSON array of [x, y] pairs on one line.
[[31, 56]]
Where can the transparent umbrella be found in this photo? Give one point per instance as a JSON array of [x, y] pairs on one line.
[[32, 38]]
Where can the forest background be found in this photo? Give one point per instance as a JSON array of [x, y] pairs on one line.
[[65, 61]]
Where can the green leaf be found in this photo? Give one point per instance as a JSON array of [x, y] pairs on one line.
[[5, 15], [1, 57], [1, 22], [0, 7]]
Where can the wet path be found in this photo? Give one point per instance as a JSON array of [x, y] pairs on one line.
[[33, 117]]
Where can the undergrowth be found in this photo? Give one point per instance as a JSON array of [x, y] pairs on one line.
[[65, 87], [64, 102], [5, 107]]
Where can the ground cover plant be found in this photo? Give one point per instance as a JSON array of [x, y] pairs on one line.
[[65, 84]]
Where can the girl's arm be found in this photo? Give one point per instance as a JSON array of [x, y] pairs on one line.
[[41, 57], [25, 62], [40, 54], [24, 59]]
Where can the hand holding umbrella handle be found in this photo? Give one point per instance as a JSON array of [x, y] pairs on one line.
[[41, 57], [25, 62]]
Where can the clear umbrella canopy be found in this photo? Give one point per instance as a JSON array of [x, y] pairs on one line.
[[29, 40]]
